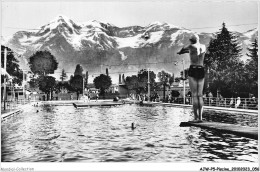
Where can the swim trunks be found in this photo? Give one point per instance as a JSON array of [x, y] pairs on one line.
[[196, 71]]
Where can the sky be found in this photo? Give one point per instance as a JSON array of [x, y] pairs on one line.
[[200, 16]]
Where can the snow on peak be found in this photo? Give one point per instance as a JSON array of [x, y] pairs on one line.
[[250, 33], [92, 23], [159, 26], [173, 26], [60, 20], [96, 24], [155, 23], [138, 41], [162, 24]]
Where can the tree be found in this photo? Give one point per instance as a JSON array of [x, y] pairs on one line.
[[34, 83], [78, 70], [251, 68], [102, 82], [171, 79], [43, 63], [139, 83], [175, 93], [71, 76], [76, 83], [62, 86], [12, 66], [63, 75], [164, 79], [178, 79], [223, 61], [131, 82], [47, 84], [143, 80], [253, 51]]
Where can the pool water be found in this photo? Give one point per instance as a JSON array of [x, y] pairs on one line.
[[104, 134]]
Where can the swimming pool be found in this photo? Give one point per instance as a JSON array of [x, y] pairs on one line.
[[104, 134]]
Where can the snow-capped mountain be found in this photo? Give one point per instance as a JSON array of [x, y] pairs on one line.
[[251, 34], [245, 39], [125, 49]]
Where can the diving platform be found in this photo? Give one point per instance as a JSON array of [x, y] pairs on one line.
[[244, 131], [91, 104]]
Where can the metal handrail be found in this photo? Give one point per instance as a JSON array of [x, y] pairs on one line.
[[242, 103], [13, 104], [245, 103]]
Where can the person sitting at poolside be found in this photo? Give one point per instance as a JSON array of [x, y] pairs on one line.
[[196, 73]]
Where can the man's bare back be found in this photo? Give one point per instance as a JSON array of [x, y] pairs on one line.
[[197, 52]]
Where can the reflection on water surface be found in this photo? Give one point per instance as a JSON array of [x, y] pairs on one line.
[[63, 133]]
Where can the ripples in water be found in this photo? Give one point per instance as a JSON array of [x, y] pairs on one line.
[[231, 118], [66, 134]]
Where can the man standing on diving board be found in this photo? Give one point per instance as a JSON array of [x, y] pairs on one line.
[[196, 73]]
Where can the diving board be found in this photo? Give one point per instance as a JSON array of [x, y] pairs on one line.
[[5, 115], [245, 131]]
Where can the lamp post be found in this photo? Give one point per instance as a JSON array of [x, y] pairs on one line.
[[23, 84], [183, 63], [4, 97], [83, 85], [183, 77], [168, 87], [148, 84], [23, 87], [208, 79]]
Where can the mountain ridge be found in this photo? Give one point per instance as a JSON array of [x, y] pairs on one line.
[[99, 45]]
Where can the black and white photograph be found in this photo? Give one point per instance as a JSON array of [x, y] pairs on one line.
[[110, 85]]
